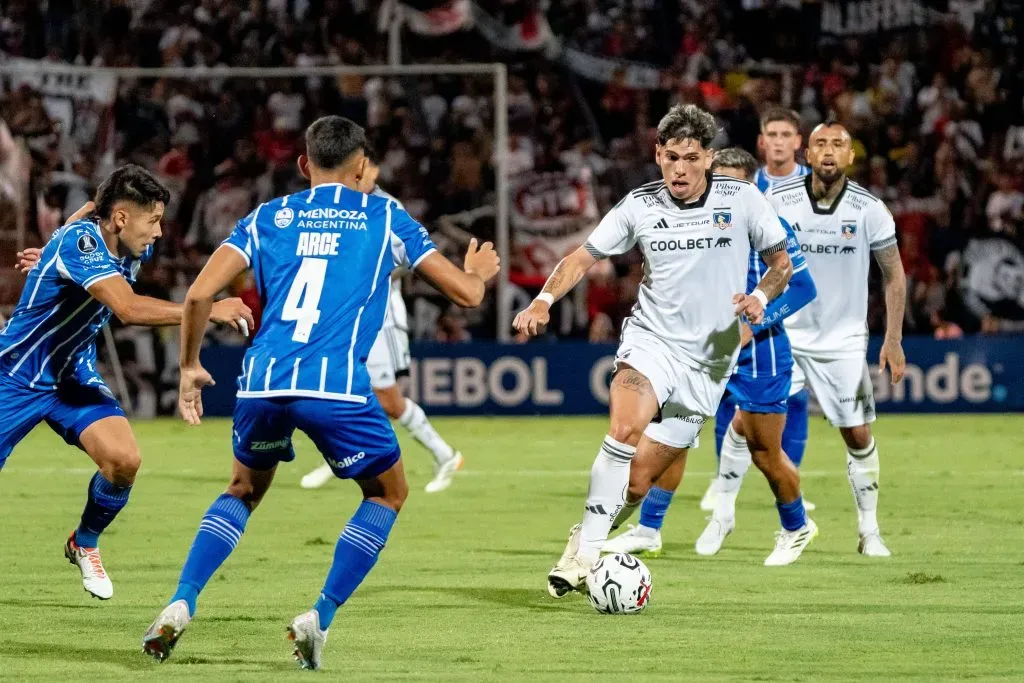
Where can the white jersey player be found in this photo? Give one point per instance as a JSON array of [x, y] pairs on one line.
[[681, 342], [388, 360], [840, 225]]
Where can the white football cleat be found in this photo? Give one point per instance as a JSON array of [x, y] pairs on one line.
[[809, 506], [94, 576], [710, 499], [566, 577], [163, 634], [635, 540], [318, 477], [871, 545], [443, 477], [560, 587], [309, 640], [789, 544], [711, 539]]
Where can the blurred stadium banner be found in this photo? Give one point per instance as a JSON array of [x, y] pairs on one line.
[[974, 375]]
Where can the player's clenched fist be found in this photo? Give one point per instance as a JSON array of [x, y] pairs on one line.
[[234, 314], [534, 319], [481, 261], [750, 306]]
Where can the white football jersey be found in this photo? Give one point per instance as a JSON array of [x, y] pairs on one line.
[[395, 314], [837, 243], [696, 257]]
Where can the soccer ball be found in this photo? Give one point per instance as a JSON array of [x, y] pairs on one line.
[[619, 584]]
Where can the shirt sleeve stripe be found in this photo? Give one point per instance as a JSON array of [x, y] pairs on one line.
[[799, 268], [594, 251], [241, 251], [774, 249], [884, 244], [96, 278], [425, 255]]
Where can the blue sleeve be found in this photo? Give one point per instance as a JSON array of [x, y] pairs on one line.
[[82, 256], [414, 236], [800, 292], [241, 238]]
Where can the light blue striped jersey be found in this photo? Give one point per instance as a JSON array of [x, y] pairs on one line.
[[769, 354], [765, 181], [322, 259], [51, 336]]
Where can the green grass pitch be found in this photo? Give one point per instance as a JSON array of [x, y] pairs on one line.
[[459, 593]]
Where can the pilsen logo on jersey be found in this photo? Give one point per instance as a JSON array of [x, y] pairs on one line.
[[722, 219], [284, 217], [849, 230]]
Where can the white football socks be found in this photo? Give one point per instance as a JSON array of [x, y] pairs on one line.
[[732, 467], [609, 478], [862, 469], [415, 420]]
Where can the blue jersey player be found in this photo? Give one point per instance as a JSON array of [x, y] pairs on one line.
[[48, 348], [322, 259], [779, 141], [752, 410]]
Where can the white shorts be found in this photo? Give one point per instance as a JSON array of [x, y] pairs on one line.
[[797, 380], [389, 357], [843, 389], [687, 396]]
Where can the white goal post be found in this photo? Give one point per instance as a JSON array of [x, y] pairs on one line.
[[53, 77]]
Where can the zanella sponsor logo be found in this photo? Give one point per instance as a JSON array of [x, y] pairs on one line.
[[326, 213], [260, 446]]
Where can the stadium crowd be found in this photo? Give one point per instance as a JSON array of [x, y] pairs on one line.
[[936, 111]]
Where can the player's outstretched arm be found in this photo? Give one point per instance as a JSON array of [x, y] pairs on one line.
[[133, 309], [566, 275], [895, 282], [225, 265], [780, 270], [464, 287]]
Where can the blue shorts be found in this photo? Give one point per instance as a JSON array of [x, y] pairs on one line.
[[69, 410], [356, 440], [764, 394]]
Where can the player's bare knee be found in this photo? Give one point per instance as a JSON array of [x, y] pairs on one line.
[[121, 463], [625, 430], [856, 437]]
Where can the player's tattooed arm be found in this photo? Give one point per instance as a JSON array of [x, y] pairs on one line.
[[566, 275], [780, 269], [894, 281]]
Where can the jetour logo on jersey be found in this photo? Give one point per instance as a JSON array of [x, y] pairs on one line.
[[284, 217]]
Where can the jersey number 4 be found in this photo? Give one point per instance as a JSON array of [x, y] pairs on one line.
[[302, 305]]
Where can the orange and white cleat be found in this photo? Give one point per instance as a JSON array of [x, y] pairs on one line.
[[94, 576], [444, 474], [307, 639]]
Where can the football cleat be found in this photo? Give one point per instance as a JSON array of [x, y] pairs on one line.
[[560, 588], [871, 545], [635, 541], [711, 539], [94, 576], [162, 635], [789, 544], [443, 477], [318, 477], [308, 639], [566, 577]]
